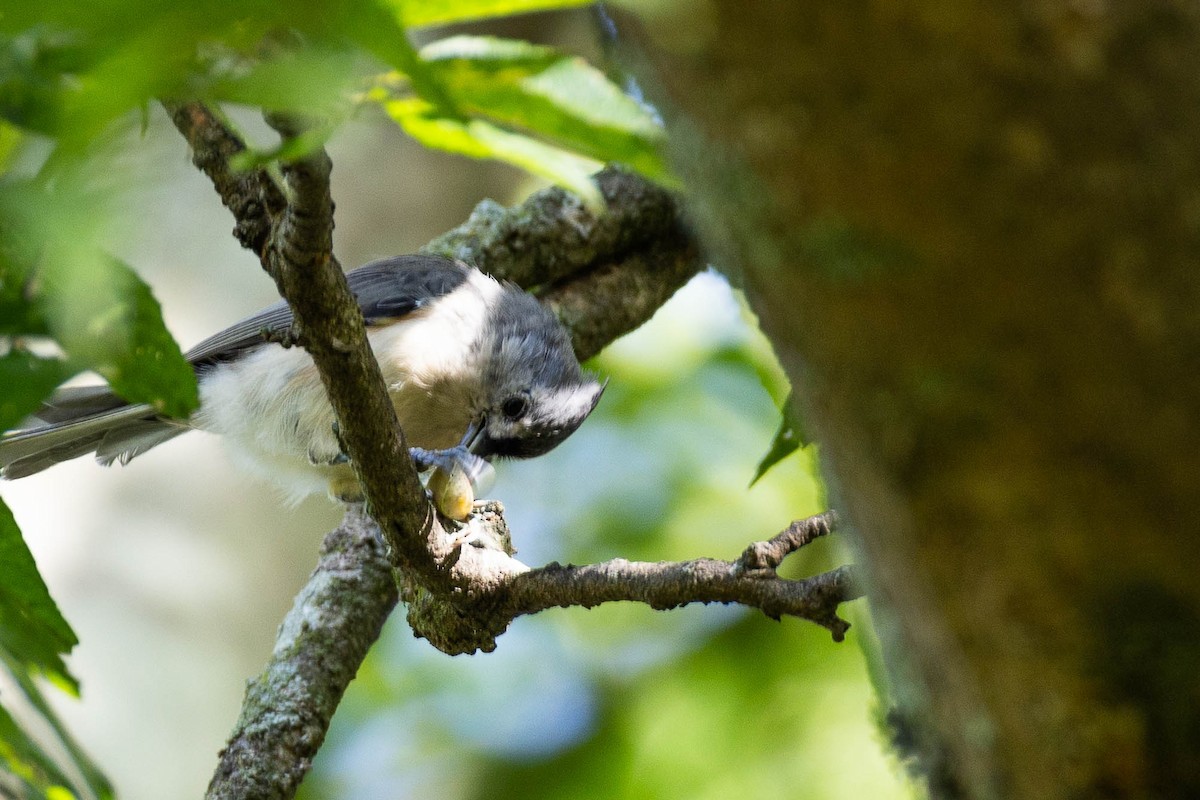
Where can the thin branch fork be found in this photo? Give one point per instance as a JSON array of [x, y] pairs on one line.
[[666, 585], [251, 195], [768, 555], [750, 580]]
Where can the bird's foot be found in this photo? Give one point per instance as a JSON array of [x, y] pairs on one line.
[[326, 459], [331, 453], [458, 475], [477, 470], [345, 489]]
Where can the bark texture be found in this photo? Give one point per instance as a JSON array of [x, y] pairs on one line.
[[322, 641], [972, 230]]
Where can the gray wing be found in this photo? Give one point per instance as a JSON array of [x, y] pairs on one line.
[[386, 290], [80, 420]]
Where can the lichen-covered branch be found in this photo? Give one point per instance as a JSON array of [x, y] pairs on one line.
[[603, 276], [552, 237], [323, 639], [620, 295]]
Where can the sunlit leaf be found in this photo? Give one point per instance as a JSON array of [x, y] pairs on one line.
[[440, 12], [289, 149], [380, 30], [562, 98], [790, 437], [10, 140], [318, 80], [480, 139], [32, 630], [106, 319]]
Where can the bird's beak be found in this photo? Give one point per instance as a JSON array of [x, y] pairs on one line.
[[481, 473], [474, 438]]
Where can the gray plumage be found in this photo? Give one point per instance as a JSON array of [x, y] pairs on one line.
[[460, 352], [81, 420]]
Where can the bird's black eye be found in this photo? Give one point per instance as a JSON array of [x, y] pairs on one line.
[[515, 407]]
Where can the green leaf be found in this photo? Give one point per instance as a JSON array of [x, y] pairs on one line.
[[441, 12], [26, 380], [19, 315], [84, 766], [290, 149], [10, 141], [539, 90], [32, 631], [319, 80], [33, 638], [480, 139], [106, 319], [34, 772], [33, 87], [790, 437]]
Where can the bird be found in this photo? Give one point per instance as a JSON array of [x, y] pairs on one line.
[[476, 369]]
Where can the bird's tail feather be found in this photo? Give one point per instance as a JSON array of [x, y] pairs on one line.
[[80, 420]]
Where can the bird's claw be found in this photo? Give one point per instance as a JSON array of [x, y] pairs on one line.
[[321, 457], [327, 459], [449, 459]]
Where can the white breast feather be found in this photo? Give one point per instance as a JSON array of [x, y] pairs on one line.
[[272, 410]]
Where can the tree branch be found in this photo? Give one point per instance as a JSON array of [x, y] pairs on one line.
[[297, 251], [329, 325], [603, 276], [552, 236], [499, 588], [322, 641]]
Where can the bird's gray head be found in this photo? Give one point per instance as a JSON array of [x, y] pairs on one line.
[[537, 395]]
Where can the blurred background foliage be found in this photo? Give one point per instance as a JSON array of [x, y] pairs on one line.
[[174, 571]]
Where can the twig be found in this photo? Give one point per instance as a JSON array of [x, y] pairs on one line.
[[770, 554], [666, 585]]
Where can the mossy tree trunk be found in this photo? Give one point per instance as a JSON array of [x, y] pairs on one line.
[[972, 230]]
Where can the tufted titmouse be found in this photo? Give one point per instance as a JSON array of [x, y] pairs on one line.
[[475, 368]]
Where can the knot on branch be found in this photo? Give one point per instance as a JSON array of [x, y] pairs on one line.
[[465, 613]]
